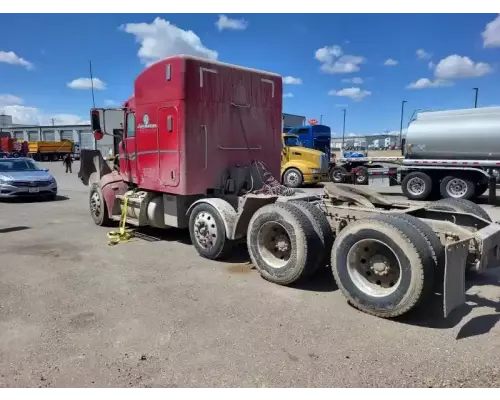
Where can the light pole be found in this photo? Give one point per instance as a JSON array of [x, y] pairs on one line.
[[321, 119], [401, 125], [475, 96], [343, 132]]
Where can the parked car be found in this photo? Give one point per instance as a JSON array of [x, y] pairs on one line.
[[22, 177]]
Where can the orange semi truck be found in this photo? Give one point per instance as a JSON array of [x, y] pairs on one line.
[[49, 151]]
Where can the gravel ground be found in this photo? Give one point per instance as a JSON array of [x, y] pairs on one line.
[[75, 312]]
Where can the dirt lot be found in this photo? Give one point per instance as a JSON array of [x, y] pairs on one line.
[[76, 312]]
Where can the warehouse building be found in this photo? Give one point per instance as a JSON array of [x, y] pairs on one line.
[[376, 142]]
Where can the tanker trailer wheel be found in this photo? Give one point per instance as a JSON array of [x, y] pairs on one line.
[[417, 186], [460, 205], [321, 226], [454, 187], [98, 208], [208, 233], [384, 266], [282, 243], [293, 178], [338, 174]]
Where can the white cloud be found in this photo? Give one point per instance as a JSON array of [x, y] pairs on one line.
[[110, 103], [12, 105], [391, 62], [9, 99], [455, 67], [228, 23], [449, 68], [287, 95], [334, 61], [34, 116], [67, 119], [290, 80], [424, 83], [423, 55], [9, 57], [491, 33], [86, 83], [356, 81], [354, 93], [161, 39]]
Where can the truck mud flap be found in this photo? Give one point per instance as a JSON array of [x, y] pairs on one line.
[[92, 166], [490, 248], [454, 275]]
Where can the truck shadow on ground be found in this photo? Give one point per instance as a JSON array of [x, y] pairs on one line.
[[14, 229], [321, 281], [238, 261], [431, 316], [239, 253]]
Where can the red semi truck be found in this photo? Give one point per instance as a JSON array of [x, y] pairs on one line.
[[10, 147], [199, 145]]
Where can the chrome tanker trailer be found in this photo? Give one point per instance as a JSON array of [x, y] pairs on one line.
[[452, 154]]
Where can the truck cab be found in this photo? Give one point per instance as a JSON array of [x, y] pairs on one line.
[[300, 165], [317, 137]]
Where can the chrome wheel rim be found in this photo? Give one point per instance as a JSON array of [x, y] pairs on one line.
[[95, 204], [274, 244], [456, 188], [374, 268], [416, 186], [292, 178], [205, 230], [337, 176]]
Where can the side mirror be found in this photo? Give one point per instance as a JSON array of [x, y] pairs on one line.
[[45, 170], [95, 120]]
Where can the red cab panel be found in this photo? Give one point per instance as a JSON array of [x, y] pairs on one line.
[[191, 119]]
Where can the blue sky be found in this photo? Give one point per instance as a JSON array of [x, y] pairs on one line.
[[323, 51]]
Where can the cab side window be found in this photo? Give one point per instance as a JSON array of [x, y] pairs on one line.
[[130, 125]]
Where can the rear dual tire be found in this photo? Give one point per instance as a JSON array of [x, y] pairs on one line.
[[386, 265], [283, 243], [405, 279], [460, 205]]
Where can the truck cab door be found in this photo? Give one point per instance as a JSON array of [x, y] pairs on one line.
[[169, 146], [128, 151]]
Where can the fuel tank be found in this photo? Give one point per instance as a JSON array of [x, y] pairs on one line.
[[465, 134]]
